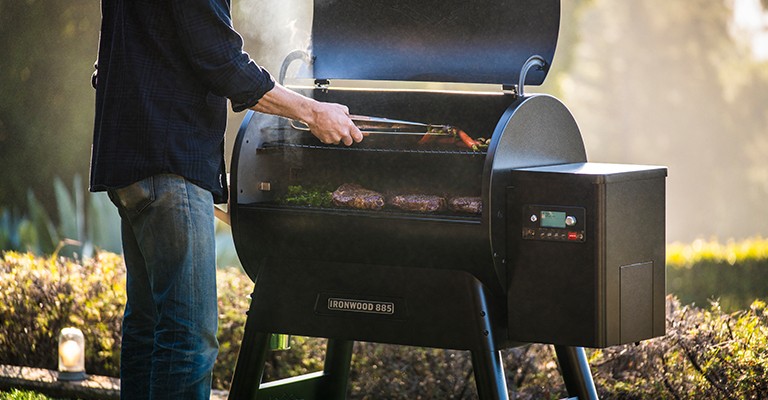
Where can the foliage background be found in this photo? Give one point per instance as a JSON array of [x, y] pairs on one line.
[[708, 353]]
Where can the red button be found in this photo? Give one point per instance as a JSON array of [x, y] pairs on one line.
[[573, 236]]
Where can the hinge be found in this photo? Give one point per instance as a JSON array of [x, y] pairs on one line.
[[508, 89]]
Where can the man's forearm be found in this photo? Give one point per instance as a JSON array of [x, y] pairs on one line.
[[328, 122], [286, 103]]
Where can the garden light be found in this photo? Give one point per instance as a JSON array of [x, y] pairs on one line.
[[71, 355]]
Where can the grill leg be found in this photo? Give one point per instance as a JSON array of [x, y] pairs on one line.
[[338, 356], [250, 364], [331, 384], [489, 375], [576, 373], [486, 358]]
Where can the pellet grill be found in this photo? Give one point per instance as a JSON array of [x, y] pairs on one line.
[[561, 251]]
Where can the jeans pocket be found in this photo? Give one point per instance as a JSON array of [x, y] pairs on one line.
[[135, 197]]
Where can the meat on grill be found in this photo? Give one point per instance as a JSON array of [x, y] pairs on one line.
[[356, 196], [470, 205], [418, 202]]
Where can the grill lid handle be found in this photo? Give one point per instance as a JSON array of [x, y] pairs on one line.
[[536, 63]]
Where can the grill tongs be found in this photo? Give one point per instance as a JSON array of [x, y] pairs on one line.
[[378, 125]]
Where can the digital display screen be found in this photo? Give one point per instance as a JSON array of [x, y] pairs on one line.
[[553, 219]]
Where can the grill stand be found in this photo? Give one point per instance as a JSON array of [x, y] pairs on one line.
[[331, 383]]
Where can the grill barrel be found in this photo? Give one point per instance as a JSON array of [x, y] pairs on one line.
[[515, 273], [390, 238]]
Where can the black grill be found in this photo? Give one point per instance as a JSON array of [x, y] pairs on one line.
[[564, 251]]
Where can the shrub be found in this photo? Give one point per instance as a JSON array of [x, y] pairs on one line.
[[706, 353], [734, 273], [16, 394], [424, 373], [40, 296], [410, 373], [233, 290], [688, 255]]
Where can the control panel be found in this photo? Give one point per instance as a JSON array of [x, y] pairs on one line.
[[555, 223]]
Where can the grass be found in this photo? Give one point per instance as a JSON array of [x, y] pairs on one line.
[[16, 394]]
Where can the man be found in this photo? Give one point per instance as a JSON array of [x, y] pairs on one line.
[[165, 69]]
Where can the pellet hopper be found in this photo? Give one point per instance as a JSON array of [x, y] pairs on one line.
[[419, 236]]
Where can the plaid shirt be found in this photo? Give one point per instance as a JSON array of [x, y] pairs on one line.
[[165, 69]]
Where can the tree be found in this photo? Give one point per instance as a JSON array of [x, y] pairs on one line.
[[659, 82]]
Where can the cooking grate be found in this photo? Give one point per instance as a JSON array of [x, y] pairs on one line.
[[274, 146], [383, 213]]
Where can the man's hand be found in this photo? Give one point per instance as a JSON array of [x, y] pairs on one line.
[[329, 122]]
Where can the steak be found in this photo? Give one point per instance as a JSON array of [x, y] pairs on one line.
[[356, 196], [418, 202], [469, 205]]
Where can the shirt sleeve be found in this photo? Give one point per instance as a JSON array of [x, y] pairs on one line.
[[215, 50]]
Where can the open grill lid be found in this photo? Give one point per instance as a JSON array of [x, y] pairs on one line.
[[486, 41]]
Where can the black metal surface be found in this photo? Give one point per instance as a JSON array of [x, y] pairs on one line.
[[250, 364], [434, 40], [534, 131], [292, 296], [576, 374], [605, 290], [336, 368], [329, 384], [489, 375], [477, 114], [382, 237]]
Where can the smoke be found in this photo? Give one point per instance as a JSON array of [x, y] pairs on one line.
[[272, 29]]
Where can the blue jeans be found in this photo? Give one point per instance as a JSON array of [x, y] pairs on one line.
[[169, 327]]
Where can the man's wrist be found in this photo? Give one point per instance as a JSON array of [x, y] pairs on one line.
[[286, 103], [309, 111]]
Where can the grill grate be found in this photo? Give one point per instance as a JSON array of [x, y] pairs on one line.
[[279, 146], [383, 213]]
